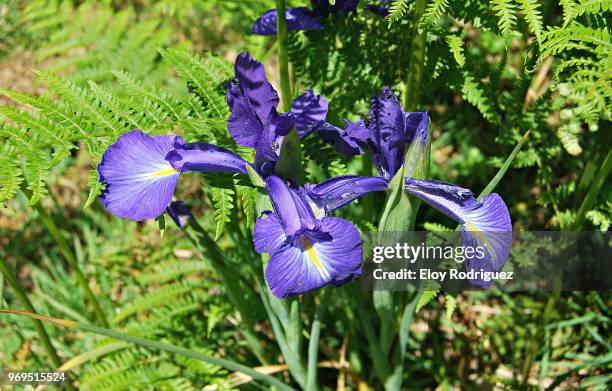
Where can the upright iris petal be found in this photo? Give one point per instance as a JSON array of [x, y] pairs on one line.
[[484, 224], [139, 180], [305, 252], [254, 121], [310, 111], [298, 18]]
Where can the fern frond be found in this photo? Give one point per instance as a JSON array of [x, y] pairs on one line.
[[37, 166], [533, 15], [435, 9], [10, 179], [223, 202], [165, 106], [455, 44], [149, 301], [80, 101], [506, 12], [397, 11], [569, 11], [593, 7], [450, 304], [474, 93], [204, 76], [248, 196]]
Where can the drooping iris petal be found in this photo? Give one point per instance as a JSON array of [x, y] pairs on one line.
[[292, 210], [139, 180], [179, 213], [298, 18], [268, 235], [312, 259], [205, 157], [336, 192], [309, 111], [252, 101], [339, 138], [387, 132], [484, 224]]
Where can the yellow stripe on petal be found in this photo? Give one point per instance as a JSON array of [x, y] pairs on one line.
[[481, 237], [169, 171], [312, 254]]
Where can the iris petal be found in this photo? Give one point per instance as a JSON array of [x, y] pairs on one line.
[[388, 136], [292, 210], [484, 224], [139, 180], [298, 18], [336, 192], [205, 157], [252, 101], [312, 259], [309, 111]]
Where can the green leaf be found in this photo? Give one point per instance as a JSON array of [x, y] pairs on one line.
[[506, 12], [502, 171], [533, 15], [455, 44], [223, 202], [146, 343], [450, 303], [427, 296], [289, 166]]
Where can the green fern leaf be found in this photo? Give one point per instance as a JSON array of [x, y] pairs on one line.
[[506, 12], [10, 179], [397, 11], [248, 195], [435, 9], [37, 166], [430, 293], [569, 11], [223, 202], [455, 44], [473, 93], [533, 15], [450, 304]]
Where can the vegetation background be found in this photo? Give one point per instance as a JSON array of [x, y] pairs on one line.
[[76, 74]]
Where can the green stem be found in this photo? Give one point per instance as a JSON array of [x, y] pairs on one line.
[[313, 343], [283, 56], [66, 251], [21, 295], [232, 366], [417, 61], [207, 246], [595, 188]]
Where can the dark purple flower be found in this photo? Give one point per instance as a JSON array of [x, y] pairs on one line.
[[254, 121], [300, 18], [307, 250]]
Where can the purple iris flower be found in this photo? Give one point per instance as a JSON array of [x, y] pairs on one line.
[[307, 249], [300, 18], [387, 132]]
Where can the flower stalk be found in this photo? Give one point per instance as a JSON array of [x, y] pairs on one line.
[[283, 56], [68, 254], [22, 296]]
